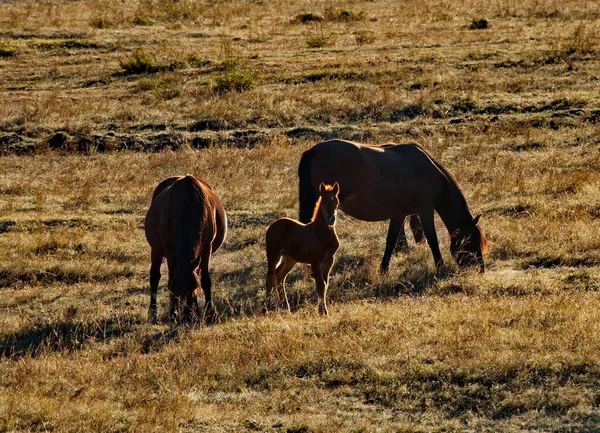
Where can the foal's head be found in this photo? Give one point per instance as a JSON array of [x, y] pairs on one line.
[[329, 202], [468, 245]]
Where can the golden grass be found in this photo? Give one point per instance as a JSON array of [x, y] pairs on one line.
[[100, 100]]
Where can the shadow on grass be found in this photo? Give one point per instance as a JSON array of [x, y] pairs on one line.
[[241, 292], [70, 336]]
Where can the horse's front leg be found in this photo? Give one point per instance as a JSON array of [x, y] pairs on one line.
[[321, 287], [395, 237], [174, 308], [416, 228], [427, 220]]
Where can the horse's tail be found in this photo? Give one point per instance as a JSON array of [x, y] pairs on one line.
[[191, 210], [306, 193]]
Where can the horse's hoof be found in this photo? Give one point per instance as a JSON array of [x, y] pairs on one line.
[[152, 316]]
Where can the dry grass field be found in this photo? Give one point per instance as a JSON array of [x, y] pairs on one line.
[[102, 99]]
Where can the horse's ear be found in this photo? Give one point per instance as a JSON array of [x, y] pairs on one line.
[[321, 188], [476, 219], [336, 188]]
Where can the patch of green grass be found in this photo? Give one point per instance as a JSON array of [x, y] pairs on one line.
[[319, 41], [233, 81]]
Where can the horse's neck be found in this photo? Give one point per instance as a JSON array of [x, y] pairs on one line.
[[453, 210]]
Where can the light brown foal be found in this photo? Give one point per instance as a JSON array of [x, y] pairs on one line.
[[289, 242]]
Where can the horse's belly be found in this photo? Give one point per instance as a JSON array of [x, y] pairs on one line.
[[368, 210]]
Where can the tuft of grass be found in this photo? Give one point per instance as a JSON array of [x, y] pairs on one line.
[[139, 62], [343, 15], [479, 24], [102, 22], [233, 81], [583, 40], [319, 41], [306, 18], [364, 37], [6, 50], [141, 19]]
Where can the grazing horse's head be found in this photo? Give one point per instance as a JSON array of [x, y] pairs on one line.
[[468, 245], [329, 201]]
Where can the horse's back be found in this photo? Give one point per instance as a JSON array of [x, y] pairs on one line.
[[188, 203], [377, 182]]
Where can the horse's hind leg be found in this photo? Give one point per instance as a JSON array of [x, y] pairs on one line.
[[156, 260], [206, 283], [281, 273], [428, 223], [416, 228], [395, 237]]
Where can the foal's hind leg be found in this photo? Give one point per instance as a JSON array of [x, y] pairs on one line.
[[156, 260], [281, 273], [272, 260]]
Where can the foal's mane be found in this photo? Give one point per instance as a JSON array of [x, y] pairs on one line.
[[316, 209]]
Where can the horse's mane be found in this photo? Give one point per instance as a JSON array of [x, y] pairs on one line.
[[455, 189]]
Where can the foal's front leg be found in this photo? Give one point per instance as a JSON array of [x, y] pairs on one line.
[[317, 268]]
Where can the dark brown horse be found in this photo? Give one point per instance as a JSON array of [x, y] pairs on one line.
[[391, 182], [186, 223], [289, 242]]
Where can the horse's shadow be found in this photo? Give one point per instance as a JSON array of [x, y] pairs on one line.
[[351, 280], [71, 335]]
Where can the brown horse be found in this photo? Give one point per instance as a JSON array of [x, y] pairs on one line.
[[391, 182], [186, 223], [289, 242]]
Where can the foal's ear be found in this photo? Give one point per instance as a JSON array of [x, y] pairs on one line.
[[336, 188], [476, 219], [321, 188]]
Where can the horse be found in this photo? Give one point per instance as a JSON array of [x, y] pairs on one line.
[[289, 241], [391, 182], [185, 223]]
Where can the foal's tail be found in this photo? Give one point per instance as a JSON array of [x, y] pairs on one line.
[[306, 193]]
